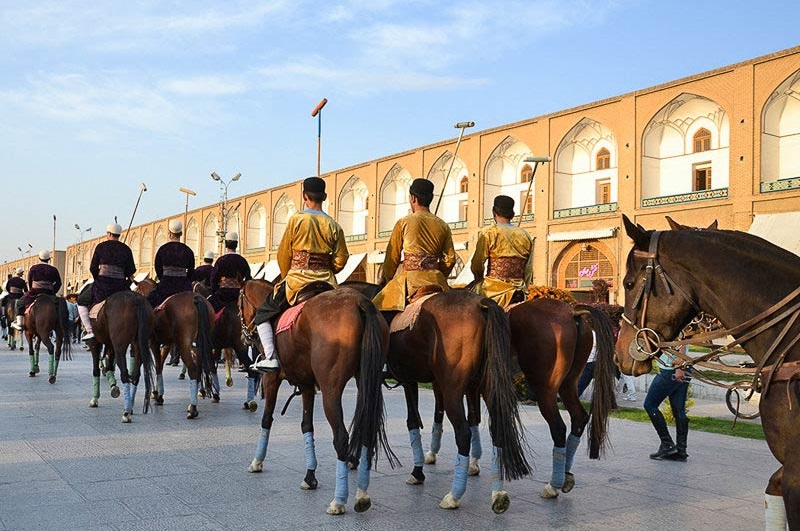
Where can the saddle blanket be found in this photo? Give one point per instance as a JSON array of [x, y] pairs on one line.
[[289, 317], [95, 310], [408, 317], [28, 307], [217, 315], [164, 304]]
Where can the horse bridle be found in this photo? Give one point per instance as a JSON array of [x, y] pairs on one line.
[[248, 329]]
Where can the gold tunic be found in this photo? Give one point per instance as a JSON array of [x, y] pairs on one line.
[[426, 241], [314, 232], [502, 241]]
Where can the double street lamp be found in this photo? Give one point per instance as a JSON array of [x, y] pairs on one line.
[[186, 209], [78, 258], [223, 224]]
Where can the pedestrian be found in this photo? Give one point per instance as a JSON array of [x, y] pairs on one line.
[[74, 320], [588, 371], [672, 383]]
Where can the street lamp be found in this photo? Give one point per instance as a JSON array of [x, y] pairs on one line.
[[461, 126], [186, 209], [318, 113], [223, 227], [536, 160], [21, 253], [78, 260]]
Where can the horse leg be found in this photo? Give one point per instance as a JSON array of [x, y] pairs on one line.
[[558, 432], [52, 364], [774, 505], [252, 386], [271, 382], [307, 427], [578, 419], [454, 407], [332, 404], [95, 375], [160, 357], [120, 356], [106, 363], [34, 362], [214, 385], [58, 346], [195, 374], [438, 427], [474, 421], [228, 376], [790, 488], [414, 423]]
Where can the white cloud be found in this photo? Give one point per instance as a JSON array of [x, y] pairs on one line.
[[207, 86]]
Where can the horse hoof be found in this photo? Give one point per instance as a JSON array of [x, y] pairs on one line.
[[192, 413], [414, 481], [500, 501], [256, 466], [52, 379], [549, 492], [335, 509], [252, 406], [127, 417], [309, 484], [201, 394], [569, 483], [181, 376], [363, 502], [93, 402], [114, 391], [352, 463], [448, 502], [430, 458], [35, 369], [154, 395], [474, 467], [215, 399], [22, 348], [228, 382], [159, 400], [31, 374]]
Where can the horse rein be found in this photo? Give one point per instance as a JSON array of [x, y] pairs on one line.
[[248, 329]]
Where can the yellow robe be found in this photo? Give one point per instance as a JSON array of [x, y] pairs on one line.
[[315, 232], [496, 241], [419, 233]]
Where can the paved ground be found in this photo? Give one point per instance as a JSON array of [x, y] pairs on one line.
[[66, 466]]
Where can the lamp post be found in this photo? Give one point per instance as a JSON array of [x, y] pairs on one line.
[[536, 161], [461, 126], [142, 189], [21, 252], [79, 260], [186, 209], [318, 113], [223, 226]]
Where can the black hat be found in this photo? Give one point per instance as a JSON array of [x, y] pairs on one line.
[[314, 185], [421, 187], [504, 206]]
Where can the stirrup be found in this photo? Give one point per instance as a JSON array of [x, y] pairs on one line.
[[265, 365], [88, 336]]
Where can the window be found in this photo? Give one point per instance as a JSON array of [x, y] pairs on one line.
[[526, 200], [526, 174], [702, 140], [603, 159], [586, 265], [702, 177], [602, 192], [463, 207], [464, 185]]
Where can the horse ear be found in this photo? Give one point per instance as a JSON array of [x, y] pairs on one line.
[[636, 233], [674, 225], [713, 225]]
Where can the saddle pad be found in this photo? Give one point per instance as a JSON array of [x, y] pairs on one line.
[[514, 305], [217, 315], [289, 317], [95, 310], [408, 317], [164, 304]]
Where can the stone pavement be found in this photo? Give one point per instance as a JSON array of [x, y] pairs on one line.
[[66, 466]]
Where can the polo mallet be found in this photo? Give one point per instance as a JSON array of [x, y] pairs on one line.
[[462, 126], [536, 161], [142, 189]]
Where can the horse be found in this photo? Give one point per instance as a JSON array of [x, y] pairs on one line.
[[185, 320], [338, 335], [715, 272], [12, 333], [48, 314], [226, 337], [125, 320]]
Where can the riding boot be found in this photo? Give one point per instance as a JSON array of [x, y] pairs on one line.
[[17, 324], [667, 447], [682, 431], [269, 363], [83, 311]]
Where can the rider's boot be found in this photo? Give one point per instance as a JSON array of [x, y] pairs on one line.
[[83, 311], [17, 324], [267, 336], [667, 447], [682, 431]]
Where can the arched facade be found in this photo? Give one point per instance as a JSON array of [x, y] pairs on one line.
[[507, 174], [161, 239], [671, 165], [193, 236], [353, 208], [147, 247], [284, 208], [780, 137], [210, 241], [256, 237], [580, 264], [393, 198], [134, 245], [451, 197], [585, 170]]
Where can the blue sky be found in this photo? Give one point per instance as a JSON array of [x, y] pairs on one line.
[[96, 97]]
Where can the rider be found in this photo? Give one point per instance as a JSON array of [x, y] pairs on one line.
[[312, 249], [43, 279], [509, 250], [203, 273], [427, 244], [174, 264], [112, 268], [230, 272], [16, 288]]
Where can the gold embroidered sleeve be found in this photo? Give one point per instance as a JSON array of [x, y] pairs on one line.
[[340, 252], [479, 258]]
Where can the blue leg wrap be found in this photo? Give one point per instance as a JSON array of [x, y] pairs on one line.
[[559, 460], [126, 392], [261, 449], [95, 387], [497, 478], [160, 384], [416, 446], [133, 395], [251, 388], [193, 392], [459, 486], [341, 492], [573, 442], [363, 471], [311, 452], [214, 383], [477, 451], [436, 437]]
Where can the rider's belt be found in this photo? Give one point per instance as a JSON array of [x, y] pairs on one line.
[[312, 261], [507, 268], [229, 282], [15, 290], [112, 271], [42, 284], [420, 262], [173, 271]]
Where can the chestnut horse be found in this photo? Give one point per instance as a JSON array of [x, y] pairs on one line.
[[47, 314], [339, 335], [753, 288]]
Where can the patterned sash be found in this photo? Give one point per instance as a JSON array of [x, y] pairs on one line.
[[420, 262], [506, 268], [312, 261]]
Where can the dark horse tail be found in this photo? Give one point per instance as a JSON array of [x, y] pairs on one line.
[[603, 395], [64, 324], [367, 429], [505, 425], [143, 344], [203, 339]]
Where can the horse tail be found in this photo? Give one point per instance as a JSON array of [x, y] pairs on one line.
[[143, 344], [505, 425], [203, 339], [62, 320], [368, 427], [603, 395]]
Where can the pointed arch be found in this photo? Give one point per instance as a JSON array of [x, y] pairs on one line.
[[780, 137], [353, 201], [448, 188], [193, 236], [134, 245], [256, 237], [161, 239], [147, 247], [393, 198], [210, 238], [283, 210], [507, 174]]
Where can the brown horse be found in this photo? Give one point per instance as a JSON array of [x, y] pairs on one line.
[[11, 315], [46, 315], [339, 335], [717, 272], [185, 321], [125, 321], [226, 337]]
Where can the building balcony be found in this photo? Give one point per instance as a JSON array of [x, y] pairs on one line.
[[602, 208], [791, 183], [355, 238], [526, 218], [691, 197], [457, 224]]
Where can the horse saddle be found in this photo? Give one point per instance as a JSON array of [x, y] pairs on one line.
[[94, 311], [289, 317], [164, 304], [311, 289], [34, 301], [408, 317], [424, 291]]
